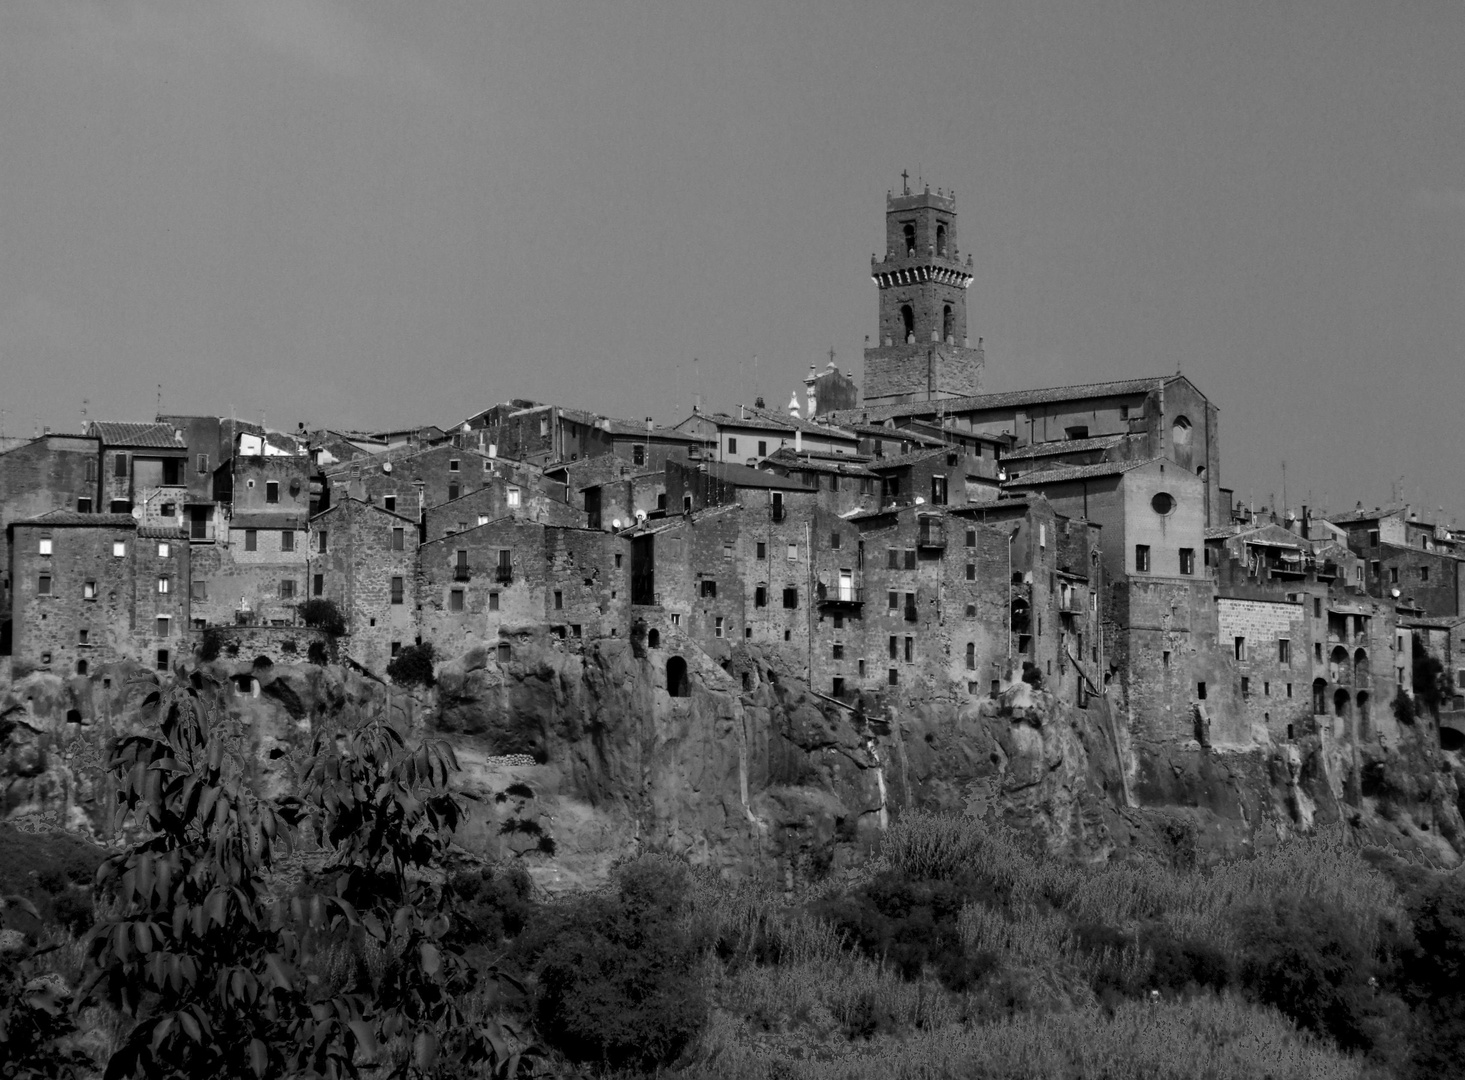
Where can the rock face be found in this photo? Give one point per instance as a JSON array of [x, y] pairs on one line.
[[574, 759]]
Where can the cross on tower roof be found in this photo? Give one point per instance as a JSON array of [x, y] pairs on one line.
[[905, 182]]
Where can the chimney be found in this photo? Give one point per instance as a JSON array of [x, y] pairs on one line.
[[758, 402], [1306, 523], [798, 440], [793, 404]]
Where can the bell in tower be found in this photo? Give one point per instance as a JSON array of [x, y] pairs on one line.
[[923, 352]]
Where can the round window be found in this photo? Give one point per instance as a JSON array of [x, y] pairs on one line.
[[1163, 503]]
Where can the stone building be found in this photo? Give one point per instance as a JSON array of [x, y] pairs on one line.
[[750, 435], [364, 559], [144, 466], [94, 589], [1407, 558]]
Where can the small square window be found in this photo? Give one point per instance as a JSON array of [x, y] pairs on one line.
[[727, 551], [88, 590], [287, 589], [709, 588], [493, 601], [483, 519], [512, 496], [119, 548], [45, 545], [559, 600], [837, 651], [251, 539], [453, 465], [389, 503], [43, 585], [793, 552], [272, 491]]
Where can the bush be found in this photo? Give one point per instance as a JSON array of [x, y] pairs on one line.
[[495, 904], [617, 976], [412, 666], [316, 654], [1405, 711], [212, 645], [323, 614], [1428, 679], [53, 871]]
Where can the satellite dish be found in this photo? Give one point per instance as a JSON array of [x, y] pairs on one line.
[[616, 523], [640, 515], [137, 516], [1394, 593], [920, 500], [386, 466]]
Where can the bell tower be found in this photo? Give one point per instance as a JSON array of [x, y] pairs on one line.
[[923, 351]]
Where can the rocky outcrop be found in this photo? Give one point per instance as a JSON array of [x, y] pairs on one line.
[[575, 758]]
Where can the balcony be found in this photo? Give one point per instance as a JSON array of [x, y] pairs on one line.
[[462, 573], [503, 574], [831, 595], [777, 511], [932, 533], [912, 613]]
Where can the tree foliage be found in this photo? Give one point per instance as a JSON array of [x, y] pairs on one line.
[[323, 613], [413, 665], [217, 969]]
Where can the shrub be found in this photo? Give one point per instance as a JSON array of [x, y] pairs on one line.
[[1032, 674], [412, 666], [316, 654], [322, 613], [617, 977], [53, 871], [1405, 710], [212, 645], [495, 904]]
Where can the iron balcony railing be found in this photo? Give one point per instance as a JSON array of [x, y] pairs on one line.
[[841, 594], [932, 534], [503, 574], [462, 573]]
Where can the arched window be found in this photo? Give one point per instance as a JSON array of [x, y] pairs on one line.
[[1319, 696], [908, 322], [1364, 725], [971, 656], [81, 667], [946, 327], [1338, 664], [676, 677], [73, 716], [941, 240], [1340, 702], [653, 638], [1180, 441], [910, 238], [1360, 668]]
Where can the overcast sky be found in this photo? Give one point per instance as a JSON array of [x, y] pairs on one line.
[[377, 215]]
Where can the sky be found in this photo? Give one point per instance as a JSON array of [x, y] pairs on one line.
[[376, 215]]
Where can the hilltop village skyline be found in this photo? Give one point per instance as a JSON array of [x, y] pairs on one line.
[[894, 537]]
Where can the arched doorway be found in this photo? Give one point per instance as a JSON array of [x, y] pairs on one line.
[[676, 677], [1360, 668], [1338, 665], [1319, 697], [1365, 722], [1340, 702], [653, 638]]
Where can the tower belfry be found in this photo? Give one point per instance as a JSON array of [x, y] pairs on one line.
[[923, 352]]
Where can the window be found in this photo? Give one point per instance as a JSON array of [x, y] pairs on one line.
[[687, 505], [793, 552], [971, 538], [790, 597], [162, 660], [938, 491], [892, 677], [837, 651], [910, 649], [892, 561], [455, 600], [762, 448], [837, 686], [119, 548], [1284, 651], [389, 503], [81, 667], [251, 539], [762, 552], [971, 571], [760, 596], [88, 590], [272, 491], [45, 545], [1376, 568], [717, 630], [894, 599], [493, 601], [834, 541], [83, 505], [1239, 644], [1266, 689], [321, 541], [971, 656], [453, 492], [1142, 558], [512, 496], [1165, 658], [399, 539], [397, 589], [638, 454], [91, 471], [709, 588], [1317, 607], [164, 584], [43, 585], [1317, 651], [559, 600], [1200, 691], [163, 549], [287, 589], [1424, 573], [119, 466], [727, 552], [287, 539], [318, 585], [894, 647], [1187, 560], [1245, 687], [1163, 503], [164, 625], [1289, 689], [202, 465], [732, 446], [910, 559], [1393, 575]]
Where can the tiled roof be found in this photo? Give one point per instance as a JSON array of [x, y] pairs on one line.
[[71, 517], [1364, 515], [1063, 474], [251, 519], [1063, 446], [1223, 532], [744, 476], [1004, 400], [822, 463], [956, 432], [879, 432], [159, 436], [902, 460], [162, 532], [631, 428]]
